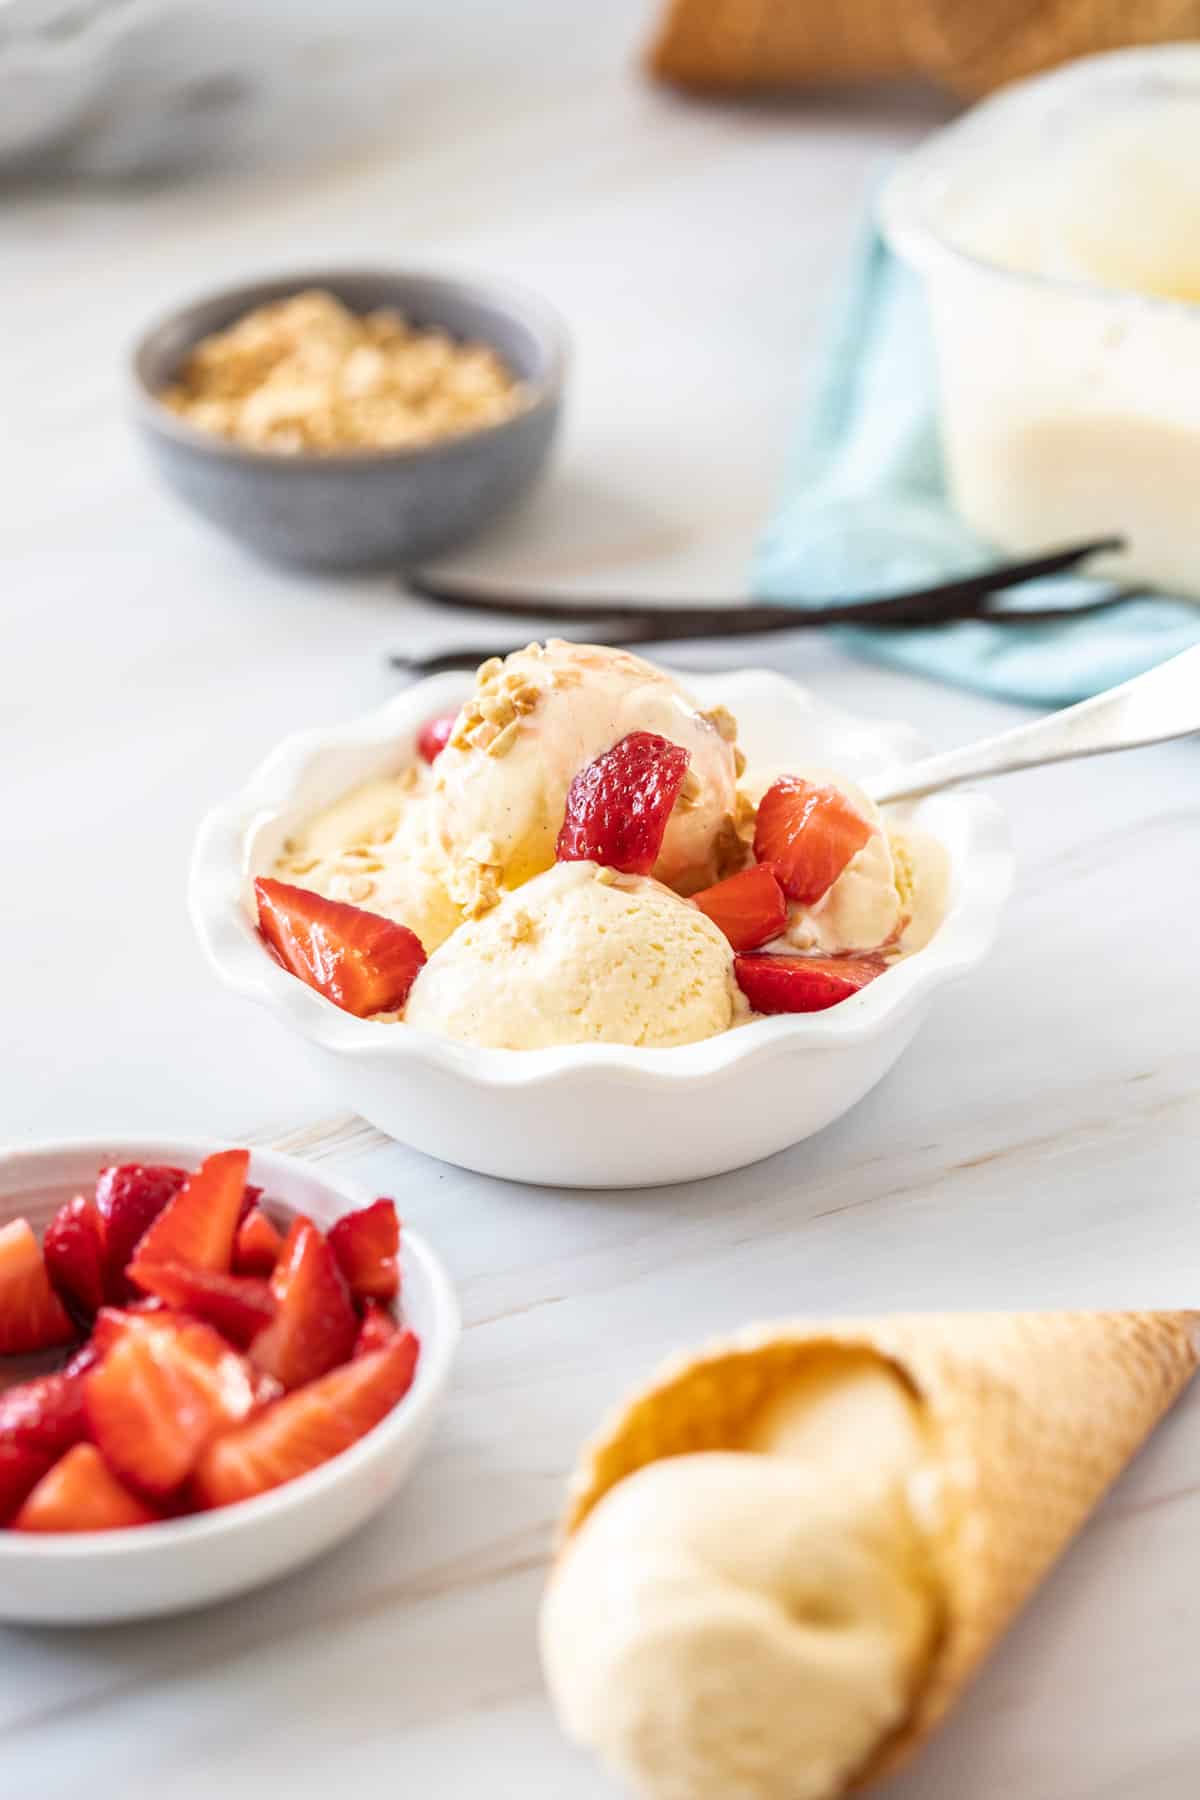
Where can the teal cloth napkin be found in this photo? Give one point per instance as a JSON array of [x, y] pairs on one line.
[[867, 513]]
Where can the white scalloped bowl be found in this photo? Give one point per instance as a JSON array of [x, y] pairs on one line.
[[602, 1115], [103, 1577]]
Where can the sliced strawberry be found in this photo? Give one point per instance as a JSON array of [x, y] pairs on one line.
[[81, 1493], [316, 1324], [199, 1225], [619, 805], [377, 1329], [307, 1427], [160, 1395], [367, 1245], [45, 1415], [238, 1306], [363, 963], [810, 833], [802, 984], [20, 1471], [750, 907], [434, 735], [111, 1323], [32, 1317], [258, 1244], [130, 1197], [73, 1247]]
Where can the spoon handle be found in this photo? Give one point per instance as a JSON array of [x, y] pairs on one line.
[[1164, 703]]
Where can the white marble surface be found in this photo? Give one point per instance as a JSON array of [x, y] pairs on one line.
[[1037, 1146]]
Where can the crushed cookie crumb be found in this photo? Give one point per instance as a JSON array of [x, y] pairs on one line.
[[504, 740], [688, 797], [306, 374], [722, 722], [519, 927]]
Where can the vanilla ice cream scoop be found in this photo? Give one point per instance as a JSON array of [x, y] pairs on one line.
[[536, 719], [750, 1624], [863, 909], [579, 955], [373, 848]]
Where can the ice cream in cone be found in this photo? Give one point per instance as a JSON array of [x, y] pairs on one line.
[[784, 1561]]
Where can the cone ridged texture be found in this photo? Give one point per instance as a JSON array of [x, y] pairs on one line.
[[971, 46], [1032, 1416]]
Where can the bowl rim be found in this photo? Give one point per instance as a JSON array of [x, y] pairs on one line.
[[218, 878], [537, 315], [906, 217], [434, 1364]]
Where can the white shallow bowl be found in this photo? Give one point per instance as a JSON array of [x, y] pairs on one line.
[[602, 1115], [102, 1577]]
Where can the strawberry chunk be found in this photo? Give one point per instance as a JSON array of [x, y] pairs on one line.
[[307, 1427], [199, 1225], [367, 1245], [238, 1306], [256, 1250], [45, 1415], [803, 984], [81, 1493], [129, 1197], [434, 735], [378, 1328], [20, 1471], [73, 1248], [363, 963], [619, 805], [316, 1325], [750, 907], [159, 1396], [810, 833], [32, 1317]]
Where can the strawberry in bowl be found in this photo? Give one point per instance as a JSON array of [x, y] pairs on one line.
[[249, 1384], [605, 874]]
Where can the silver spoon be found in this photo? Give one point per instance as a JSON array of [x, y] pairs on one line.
[[1164, 703]]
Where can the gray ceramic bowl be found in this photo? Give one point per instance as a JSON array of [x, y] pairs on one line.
[[359, 509]]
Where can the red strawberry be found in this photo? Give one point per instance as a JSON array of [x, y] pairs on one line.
[[619, 805], [258, 1244], [434, 735], [367, 1244], [32, 1317], [377, 1329], [45, 1415], [238, 1306], [307, 1427], [160, 1395], [363, 963], [130, 1197], [810, 833], [802, 984], [82, 1494], [316, 1325], [250, 1197], [73, 1246], [110, 1324], [750, 908], [20, 1470], [199, 1225]]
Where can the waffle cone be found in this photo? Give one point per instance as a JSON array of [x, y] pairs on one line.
[[1032, 1417], [971, 46]]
